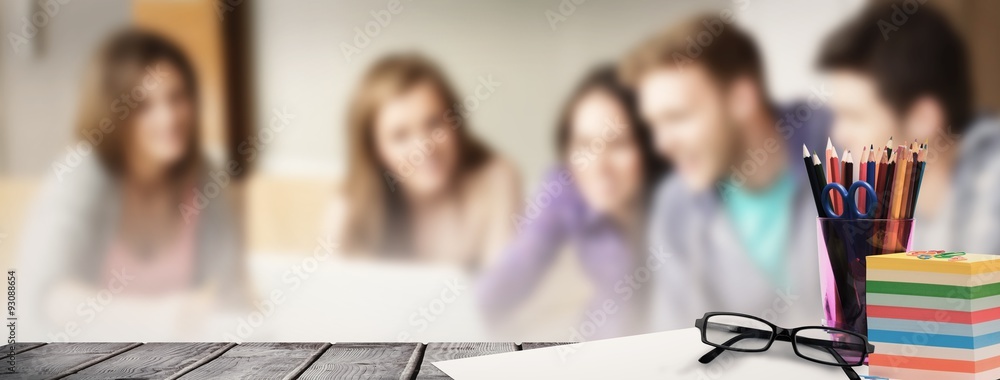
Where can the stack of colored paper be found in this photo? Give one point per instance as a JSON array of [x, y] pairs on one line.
[[934, 315]]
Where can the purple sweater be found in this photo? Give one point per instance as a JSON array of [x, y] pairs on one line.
[[557, 216]]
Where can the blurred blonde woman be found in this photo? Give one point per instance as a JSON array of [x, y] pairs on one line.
[[126, 220], [419, 186]]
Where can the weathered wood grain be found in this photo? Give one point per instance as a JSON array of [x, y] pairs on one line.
[[56, 360], [447, 351], [366, 361], [533, 345], [306, 361], [19, 347], [299, 369], [258, 361], [151, 361]]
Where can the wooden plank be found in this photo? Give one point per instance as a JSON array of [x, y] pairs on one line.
[[366, 361], [297, 371], [18, 348], [56, 360], [152, 361], [447, 351], [533, 345], [259, 361]]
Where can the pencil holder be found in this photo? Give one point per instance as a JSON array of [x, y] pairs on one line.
[[843, 246]]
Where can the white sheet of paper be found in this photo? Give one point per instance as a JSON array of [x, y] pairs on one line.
[[663, 355]]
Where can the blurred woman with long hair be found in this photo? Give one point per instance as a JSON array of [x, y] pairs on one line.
[[419, 185], [127, 217], [594, 201]]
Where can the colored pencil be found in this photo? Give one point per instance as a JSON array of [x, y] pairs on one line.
[[847, 169], [897, 182], [813, 183], [863, 176], [921, 163], [911, 183], [833, 175], [877, 159], [895, 173], [918, 176], [817, 168], [880, 182], [904, 198], [890, 176], [870, 178], [888, 147]]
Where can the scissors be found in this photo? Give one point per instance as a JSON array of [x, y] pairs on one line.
[[847, 196]]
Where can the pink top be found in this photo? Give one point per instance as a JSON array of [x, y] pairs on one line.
[[170, 268]]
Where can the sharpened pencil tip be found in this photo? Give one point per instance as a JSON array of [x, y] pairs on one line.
[[829, 143], [805, 150]]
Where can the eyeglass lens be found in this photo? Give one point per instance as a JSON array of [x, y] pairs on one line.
[[830, 346], [736, 332]]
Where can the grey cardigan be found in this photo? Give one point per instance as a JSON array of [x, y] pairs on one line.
[[73, 221]]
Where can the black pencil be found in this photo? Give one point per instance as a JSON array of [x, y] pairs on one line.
[[920, 164], [813, 182], [890, 175], [817, 168], [847, 174], [888, 148]]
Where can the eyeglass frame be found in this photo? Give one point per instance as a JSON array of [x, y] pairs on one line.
[[777, 333]]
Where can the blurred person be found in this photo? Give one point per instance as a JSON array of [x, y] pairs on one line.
[[911, 82], [121, 234], [419, 185], [595, 201], [736, 220]]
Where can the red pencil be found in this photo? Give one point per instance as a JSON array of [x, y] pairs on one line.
[[833, 175]]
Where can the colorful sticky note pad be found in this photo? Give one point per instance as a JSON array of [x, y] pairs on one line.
[[934, 315]]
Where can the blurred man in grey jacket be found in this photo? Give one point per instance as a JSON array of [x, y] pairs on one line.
[[911, 81], [735, 222]]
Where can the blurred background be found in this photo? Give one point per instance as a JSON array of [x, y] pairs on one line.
[[276, 86]]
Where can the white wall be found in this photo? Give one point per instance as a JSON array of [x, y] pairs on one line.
[[39, 90], [301, 67]]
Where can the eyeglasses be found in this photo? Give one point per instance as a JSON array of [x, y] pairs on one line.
[[745, 333]]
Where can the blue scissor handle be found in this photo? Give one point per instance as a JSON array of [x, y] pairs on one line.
[[850, 207]]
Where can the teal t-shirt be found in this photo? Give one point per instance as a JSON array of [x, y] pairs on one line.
[[762, 220]]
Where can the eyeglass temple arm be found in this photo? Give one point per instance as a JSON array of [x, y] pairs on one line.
[[851, 374], [750, 333], [831, 344]]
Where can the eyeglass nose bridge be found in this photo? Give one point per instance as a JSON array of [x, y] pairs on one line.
[[782, 334]]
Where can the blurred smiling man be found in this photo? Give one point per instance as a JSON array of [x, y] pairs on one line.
[[900, 70], [735, 221]]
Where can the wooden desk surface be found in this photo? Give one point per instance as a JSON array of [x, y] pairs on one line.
[[240, 361]]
